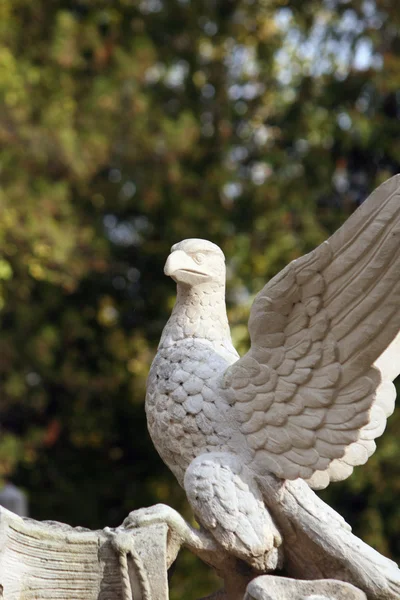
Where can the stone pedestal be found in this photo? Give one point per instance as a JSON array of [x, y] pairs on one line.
[[269, 587], [49, 560]]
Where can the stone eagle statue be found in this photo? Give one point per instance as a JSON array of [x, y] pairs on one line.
[[304, 403]]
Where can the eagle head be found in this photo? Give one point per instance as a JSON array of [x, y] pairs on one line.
[[193, 262]]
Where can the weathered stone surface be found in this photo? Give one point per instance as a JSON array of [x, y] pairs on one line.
[[48, 560], [269, 587], [304, 403]]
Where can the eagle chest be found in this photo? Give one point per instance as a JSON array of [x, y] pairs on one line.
[[182, 400]]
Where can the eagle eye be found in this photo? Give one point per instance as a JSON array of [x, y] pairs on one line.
[[199, 258]]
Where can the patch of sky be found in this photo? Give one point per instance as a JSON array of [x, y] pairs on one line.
[[154, 73], [109, 221], [128, 190], [209, 27], [260, 172], [232, 189], [363, 54], [244, 130], [247, 91], [33, 378], [302, 146], [239, 294], [238, 153], [262, 135], [242, 62], [127, 232], [133, 275], [176, 74], [340, 180], [241, 108], [150, 6], [114, 175], [119, 282], [206, 117], [208, 130], [327, 50], [344, 121], [283, 18], [208, 91]]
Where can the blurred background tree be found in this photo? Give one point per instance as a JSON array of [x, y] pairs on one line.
[[125, 127]]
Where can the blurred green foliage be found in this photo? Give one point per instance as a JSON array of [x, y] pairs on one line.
[[125, 127]]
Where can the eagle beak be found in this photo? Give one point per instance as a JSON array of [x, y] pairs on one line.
[[182, 267], [175, 261]]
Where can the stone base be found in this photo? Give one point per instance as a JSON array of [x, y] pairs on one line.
[[48, 561], [269, 587]]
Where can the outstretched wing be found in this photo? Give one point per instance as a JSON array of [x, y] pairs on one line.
[[307, 395]]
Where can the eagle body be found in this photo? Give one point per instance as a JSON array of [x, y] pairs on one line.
[[190, 415], [306, 401]]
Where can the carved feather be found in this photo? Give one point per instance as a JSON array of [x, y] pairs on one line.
[[333, 315]]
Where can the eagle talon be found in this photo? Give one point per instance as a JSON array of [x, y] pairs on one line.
[[152, 515]]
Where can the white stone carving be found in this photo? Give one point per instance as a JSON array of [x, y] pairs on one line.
[[269, 587], [305, 402], [48, 560]]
